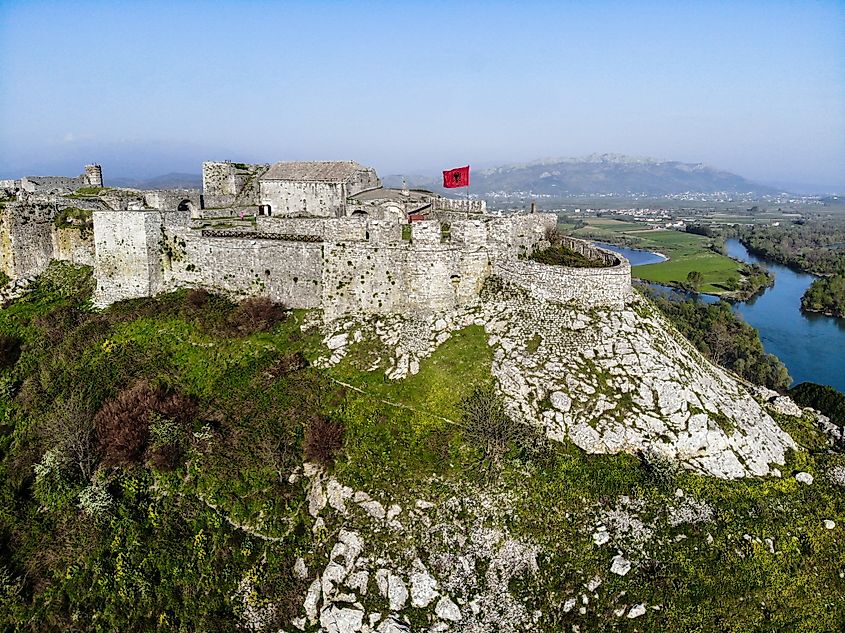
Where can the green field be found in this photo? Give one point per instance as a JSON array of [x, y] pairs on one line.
[[687, 252]]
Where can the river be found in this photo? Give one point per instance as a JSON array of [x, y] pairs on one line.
[[812, 346]]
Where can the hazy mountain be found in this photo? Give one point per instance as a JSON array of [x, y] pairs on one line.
[[168, 181], [598, 173]]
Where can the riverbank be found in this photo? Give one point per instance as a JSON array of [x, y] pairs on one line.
[[682, 253], [825, 296], [811, 345]]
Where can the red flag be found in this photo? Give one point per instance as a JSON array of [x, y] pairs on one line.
[[458, 177]]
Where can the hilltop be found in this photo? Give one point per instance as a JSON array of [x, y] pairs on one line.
[[183, 462], [598, 174]]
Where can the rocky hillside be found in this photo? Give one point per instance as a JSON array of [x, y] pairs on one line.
[[598, 174], [184, 463]]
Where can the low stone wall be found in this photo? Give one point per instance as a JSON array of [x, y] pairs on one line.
[[588, 287]]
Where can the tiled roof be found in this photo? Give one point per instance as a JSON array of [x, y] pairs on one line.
[[318, 170]]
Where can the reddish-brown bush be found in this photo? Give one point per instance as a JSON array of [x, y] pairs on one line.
[[256, 314], [123, 423], [196, 300], [287, 364], [323, 440]]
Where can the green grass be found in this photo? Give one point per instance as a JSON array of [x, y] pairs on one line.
[[164, 560], [687, 252]]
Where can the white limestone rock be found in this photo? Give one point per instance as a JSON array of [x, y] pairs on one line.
[[316, 498], [560, 401], [336, 495], [620, 565], [445, 609], [299, 569], [636, 611], [804, 478], [397, 592], [312, 600], [423, 586], [345, 620], [337, 341]]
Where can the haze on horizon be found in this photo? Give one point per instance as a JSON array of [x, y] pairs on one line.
[[756, 88]]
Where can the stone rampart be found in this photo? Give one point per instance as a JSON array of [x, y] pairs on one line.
[[371, 278], [128, 254], [463, 206], [290, 226], [26, 238], [289, 272], [74, 245], [588, 287]]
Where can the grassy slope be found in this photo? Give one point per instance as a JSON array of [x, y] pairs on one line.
[[161, 558]]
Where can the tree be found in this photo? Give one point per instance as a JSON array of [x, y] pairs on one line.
[[694, 280]]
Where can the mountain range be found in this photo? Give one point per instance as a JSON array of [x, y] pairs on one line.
[[597, 174]]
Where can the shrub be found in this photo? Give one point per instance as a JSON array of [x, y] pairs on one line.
[[660, 470], [10, 350], [323, 440], [123, 424], [256, 314], [58, 323], [559, 255], [69, 431], [287, 364], [489, 428]]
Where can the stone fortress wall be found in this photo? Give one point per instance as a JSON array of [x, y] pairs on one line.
[[590, 287], [374, 262]]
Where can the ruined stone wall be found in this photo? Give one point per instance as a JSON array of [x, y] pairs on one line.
[[34, 184], [344, 265], [373, 278], [218, 179], [463, 207], [237, 180], [289, 272], [362, 180], [588, 287], [94, 175], [128, 259], [74, 245], [170, 199], [516, 235], [303, 199], [26, 238], [290, 226]]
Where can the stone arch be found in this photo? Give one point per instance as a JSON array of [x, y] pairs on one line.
[[359, 213], [186, 205]]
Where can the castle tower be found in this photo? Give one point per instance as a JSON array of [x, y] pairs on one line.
[[94, 175]]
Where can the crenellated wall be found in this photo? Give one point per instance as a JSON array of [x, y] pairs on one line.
[[342, 265]]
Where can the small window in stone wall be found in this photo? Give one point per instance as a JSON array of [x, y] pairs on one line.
[[455, 279]]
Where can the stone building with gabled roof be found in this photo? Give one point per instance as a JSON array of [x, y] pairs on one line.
[[312, 189]]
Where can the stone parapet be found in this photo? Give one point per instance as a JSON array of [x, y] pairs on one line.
[[587, 287]]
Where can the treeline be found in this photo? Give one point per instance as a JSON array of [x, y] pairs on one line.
[[816, 246], [821, 397], [826, 295], [725, 339]]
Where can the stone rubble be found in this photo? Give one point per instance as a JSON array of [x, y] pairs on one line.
[[459, 536]]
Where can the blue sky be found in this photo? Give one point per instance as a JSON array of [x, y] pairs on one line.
[[152, 87]]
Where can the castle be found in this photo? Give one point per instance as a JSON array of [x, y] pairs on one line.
[[315, 234]]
